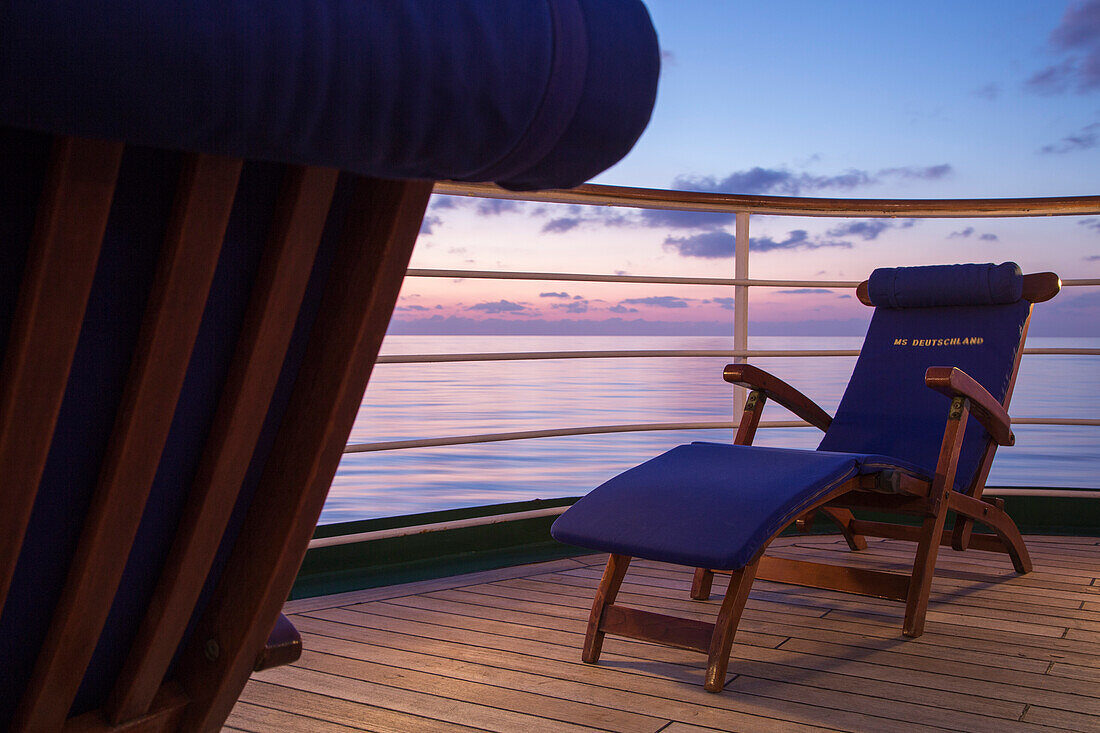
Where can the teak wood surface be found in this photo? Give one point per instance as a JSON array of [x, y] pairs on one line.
[[173, 314], [57, 281], [300, 218], [378, 233], [497, 650]]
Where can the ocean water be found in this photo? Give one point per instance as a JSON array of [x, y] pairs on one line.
[[411, 401]]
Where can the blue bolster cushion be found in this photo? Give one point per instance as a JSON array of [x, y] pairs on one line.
[[945, 285], [528, 93]]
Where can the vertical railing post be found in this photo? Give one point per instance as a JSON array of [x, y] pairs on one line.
[[741, 296]]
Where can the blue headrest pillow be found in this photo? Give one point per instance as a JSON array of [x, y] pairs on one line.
[[940, 285]]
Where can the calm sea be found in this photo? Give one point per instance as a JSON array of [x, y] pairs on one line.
[[410, 401]]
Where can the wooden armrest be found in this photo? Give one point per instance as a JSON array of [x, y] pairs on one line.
[[1041, 286], [954, 382], [284, 645], [774, 388]]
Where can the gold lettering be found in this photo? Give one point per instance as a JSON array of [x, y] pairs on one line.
[[965, 341]]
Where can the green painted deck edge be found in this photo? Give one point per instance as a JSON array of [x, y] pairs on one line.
[[441, 554], [457, 551]]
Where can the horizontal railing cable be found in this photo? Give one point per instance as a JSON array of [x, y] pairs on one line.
[[386, 534], [627, 354], [631, 428], [529, 434], [419, 529], [651, 279], [659, 354]]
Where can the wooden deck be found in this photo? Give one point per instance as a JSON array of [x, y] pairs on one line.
[[500, 651]]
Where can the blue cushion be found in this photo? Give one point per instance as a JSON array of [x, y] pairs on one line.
[[709, 504], [887, 409], [534, 94], [941, 285]]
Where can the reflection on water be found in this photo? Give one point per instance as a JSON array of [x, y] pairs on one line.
[[407, 401]]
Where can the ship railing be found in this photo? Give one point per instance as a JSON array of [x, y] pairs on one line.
[[743, 207]]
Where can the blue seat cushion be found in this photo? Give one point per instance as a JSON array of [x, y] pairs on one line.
[[709, 504]]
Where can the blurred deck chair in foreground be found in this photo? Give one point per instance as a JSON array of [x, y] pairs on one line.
[[202, 237], [914, 434]]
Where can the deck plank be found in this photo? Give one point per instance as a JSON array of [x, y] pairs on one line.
[[500, 650], [1010, 687], [647, 694], [334, 710], [247, 716]]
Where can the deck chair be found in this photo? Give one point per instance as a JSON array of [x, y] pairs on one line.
[[206, 212], [914, 434]]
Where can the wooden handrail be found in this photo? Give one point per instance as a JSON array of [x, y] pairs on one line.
[[655, 198]]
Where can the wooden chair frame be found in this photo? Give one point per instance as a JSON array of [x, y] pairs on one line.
[[888, 491], [234, 634]]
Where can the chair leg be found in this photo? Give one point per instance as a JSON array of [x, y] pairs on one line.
[[605, 595], [993, 516], [725, 626], [701, 583], [924, 567], [843, 519]]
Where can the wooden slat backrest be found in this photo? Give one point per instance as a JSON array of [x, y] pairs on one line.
[[356, 295], [172, 317], [359, 297], [272, 314], [72, 217]]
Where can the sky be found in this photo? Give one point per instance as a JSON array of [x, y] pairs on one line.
[[835, 98]]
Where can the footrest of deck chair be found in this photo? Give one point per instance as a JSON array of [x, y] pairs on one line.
[[708, 504]]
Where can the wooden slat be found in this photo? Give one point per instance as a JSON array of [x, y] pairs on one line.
[[61, 263], [172, 318], [634, 623], [978, 541], [163, 715], [272, 313], [882, 502], [360, 294], [875, 583]]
